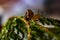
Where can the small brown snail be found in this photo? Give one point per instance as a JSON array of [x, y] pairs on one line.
[[30, 15]]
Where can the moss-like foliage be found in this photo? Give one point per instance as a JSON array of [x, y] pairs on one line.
[[17, 29]]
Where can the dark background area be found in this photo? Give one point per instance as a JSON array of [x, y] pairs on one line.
[[52, 8]]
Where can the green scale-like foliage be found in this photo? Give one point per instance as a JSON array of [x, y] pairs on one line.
[[16, 29], [13, 28]]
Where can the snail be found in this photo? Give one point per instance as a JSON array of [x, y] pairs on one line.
[[30, 15]]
